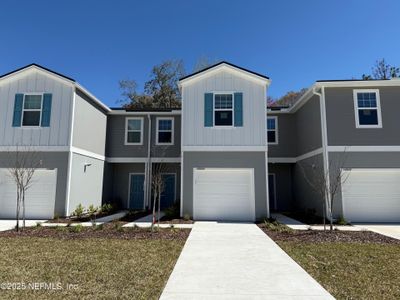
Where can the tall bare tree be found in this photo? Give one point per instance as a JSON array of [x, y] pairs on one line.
[[326, 182], [382, 70], [203, 62], [158, 187], [25, 164], [289, 99]]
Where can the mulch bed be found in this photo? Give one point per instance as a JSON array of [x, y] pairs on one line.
[[313, 236], [166, 220], [109, 230], [79, 220], [134, 215]]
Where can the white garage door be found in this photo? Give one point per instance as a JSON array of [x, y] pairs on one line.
[[223, 194], [39, 199], [372, 195]]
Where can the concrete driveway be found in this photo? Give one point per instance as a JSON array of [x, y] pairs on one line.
[[391, 229], [10, 224], [237, 261]]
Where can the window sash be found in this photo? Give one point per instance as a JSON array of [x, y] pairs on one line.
[[39, 110], [165, 132], [273, 129], [227, 109], [130, 130], [364, 101]]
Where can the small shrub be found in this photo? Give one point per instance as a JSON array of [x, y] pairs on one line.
[[106, 208], [341, 221], [61, 228], [92, 210], [56, 216], [38, 224], [79, 211], [172, 211], [99, 227], [77, 228], [274, 225], [186, 217], [118, 227]]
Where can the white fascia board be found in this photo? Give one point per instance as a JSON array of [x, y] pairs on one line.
[[225, 148], [228, 68], [97, 101], [87, 153], [143, 113], [358, 84], [364, 148], [143, 159], [17, 75]]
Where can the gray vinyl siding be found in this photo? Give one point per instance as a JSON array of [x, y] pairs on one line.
[[308, 124], [90, 123], [286, 137], [283, 184], [252, 133], [255, 160], [341, 123], [366, 160], [86, 186], [116, 138], [35, 81], [117, 187], [305, 197], [50, 160]]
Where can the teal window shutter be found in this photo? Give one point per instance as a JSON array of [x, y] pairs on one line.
[[19, 100], [46, 110], [238, 109], [208, 109]]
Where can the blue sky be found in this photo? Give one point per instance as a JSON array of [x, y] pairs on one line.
[[293, 42]]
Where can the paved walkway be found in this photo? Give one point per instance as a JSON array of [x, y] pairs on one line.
[[237, 261], [10, 224], [390, 230]]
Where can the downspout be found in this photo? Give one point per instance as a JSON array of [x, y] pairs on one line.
[[148, 171], [325, 154]]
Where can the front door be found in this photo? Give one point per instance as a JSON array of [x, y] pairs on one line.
[[168, 195], [136, 195], [272, 192]]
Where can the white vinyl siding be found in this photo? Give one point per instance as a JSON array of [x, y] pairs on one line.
[[252, 133], [36, 82]]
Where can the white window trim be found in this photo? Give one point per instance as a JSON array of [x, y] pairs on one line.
[[172, 131], [24, 110], [378, 107], [141, 130], [276, 130], [232, 109]]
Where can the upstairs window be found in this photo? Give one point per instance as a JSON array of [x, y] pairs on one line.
[[367, 109], [165, 131], [272, 130], [32, 110], [134, 131], [223, 110]]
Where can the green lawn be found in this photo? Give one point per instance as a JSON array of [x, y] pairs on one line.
[[350, 270], [100, 268]]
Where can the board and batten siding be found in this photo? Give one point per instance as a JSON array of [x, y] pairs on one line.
[[90, 125], [35, 81], [252, 133]]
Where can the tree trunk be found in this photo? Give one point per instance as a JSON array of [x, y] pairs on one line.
[[18, 207], [23, 209], [324, 215], [154, 209], [159, 207]]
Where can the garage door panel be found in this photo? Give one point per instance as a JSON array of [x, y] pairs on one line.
[[221, 194], [39, 199], [372, 195]]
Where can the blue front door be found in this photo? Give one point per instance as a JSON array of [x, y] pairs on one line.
[[136, 195], [168, 195]]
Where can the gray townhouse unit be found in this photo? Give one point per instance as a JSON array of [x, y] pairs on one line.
[[224, 154]]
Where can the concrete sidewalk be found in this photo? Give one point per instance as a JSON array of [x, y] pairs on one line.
[[10, 224], [390, 230], [237, 261]]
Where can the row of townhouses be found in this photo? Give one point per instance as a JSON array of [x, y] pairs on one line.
[[226, 155]]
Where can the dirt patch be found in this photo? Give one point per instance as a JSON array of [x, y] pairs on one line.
[[313, 236], [111, 230]]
